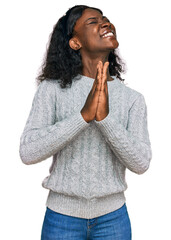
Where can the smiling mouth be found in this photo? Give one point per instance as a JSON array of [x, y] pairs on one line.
[[109, 34]]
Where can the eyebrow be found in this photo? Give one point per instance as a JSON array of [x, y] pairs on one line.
[[95, 18]]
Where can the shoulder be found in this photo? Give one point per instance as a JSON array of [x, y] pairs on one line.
[[48, 83], [48, 86], [129, 90], [132, 95], [46, 90]]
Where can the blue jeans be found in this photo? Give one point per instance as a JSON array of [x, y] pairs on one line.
[[112, 226]]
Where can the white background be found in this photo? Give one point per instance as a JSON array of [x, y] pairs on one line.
[[143, 29]]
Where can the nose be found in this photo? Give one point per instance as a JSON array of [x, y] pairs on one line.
[[106, 24]]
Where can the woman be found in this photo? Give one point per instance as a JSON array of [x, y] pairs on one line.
[[92, 124]]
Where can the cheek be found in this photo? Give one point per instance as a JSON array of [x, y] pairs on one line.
[[87, 42], [91, 39]]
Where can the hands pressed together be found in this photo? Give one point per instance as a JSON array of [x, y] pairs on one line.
[[97, 103]]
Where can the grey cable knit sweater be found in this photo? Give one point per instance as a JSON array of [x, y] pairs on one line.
[[87, 175]]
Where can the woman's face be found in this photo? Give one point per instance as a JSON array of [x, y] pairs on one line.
[[94, 32]]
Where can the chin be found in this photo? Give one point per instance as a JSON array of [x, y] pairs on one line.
[[115, 44]]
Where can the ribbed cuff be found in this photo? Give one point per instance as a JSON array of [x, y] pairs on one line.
[[108, 124]]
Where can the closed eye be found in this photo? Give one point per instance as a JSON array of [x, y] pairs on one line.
[[92, 22], [96, 21]]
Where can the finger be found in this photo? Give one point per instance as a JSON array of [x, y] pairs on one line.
[[97, 74], [104, 76], [106, 89], [105, 68], [97, 82], [100, 71], [101, 67]]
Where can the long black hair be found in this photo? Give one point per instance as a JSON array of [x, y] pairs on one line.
[[61, 62]]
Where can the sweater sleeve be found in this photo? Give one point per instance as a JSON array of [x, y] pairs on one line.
[[131, 145], [42, 137]]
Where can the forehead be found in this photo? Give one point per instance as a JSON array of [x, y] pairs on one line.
[[87, 13]]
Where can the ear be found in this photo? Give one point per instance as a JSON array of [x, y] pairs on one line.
[[74, 44]]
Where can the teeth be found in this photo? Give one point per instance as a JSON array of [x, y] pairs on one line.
[[108, 34]]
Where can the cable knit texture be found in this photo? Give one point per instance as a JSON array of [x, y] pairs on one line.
[[87, 175]]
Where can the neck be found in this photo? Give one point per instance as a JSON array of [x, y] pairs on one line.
[[90, 66]]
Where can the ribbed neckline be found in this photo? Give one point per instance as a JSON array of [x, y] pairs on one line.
[[92, 79]]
